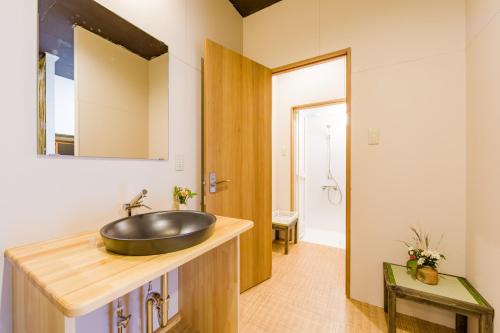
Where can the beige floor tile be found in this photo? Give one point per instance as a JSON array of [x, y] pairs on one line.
[[306, 295]]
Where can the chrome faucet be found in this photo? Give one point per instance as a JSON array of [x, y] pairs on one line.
[[136, 202], [122, 320]]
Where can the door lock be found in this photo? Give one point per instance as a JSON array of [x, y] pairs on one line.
[[213, 182]]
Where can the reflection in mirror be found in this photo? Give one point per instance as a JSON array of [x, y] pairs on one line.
[[102, 84]]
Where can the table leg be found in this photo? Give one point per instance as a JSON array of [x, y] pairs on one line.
[[287, 234], [296, 233], [277, 234], [461, 323], [392, 312], [385, 297], [486, 323]]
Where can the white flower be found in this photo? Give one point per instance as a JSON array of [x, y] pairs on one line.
[[421, 261], [435, 255]]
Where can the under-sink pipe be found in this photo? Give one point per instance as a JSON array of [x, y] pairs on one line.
[[159, 302], [149, 314], [164, 299]]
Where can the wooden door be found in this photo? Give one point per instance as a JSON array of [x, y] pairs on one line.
[[237, 148]]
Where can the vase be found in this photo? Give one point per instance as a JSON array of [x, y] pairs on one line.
[[427, 275], [179, 206], [411, 267]]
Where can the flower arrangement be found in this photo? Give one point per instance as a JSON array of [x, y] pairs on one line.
[[430, 258], [420, 250], [422, 257], [182, 194]]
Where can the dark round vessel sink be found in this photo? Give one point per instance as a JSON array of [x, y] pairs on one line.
[[159, 232]]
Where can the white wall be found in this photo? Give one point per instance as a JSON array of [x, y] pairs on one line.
[[158, 104], [50, 101], [112, 98], [44, 198], [483, 159], [117, 91], [313, 84], [408, 79], [64, 106]]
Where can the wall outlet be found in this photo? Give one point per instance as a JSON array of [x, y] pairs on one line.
[[179, 162], [373, 136]]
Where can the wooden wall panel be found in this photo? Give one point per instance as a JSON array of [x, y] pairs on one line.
[[209, 290]]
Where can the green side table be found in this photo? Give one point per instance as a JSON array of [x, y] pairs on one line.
[[452, 293]]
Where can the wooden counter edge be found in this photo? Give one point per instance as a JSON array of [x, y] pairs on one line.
[[77, 310]]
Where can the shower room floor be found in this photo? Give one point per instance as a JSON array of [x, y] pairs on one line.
[[324, 237]]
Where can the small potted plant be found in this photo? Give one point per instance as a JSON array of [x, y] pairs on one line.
[[428, 262], [423, 262], [181, 197]]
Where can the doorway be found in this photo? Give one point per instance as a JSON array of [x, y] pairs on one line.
[[319, 172], [238, 160], [311, 161]]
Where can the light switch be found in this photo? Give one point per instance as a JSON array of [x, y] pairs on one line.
[[373, 136], [284, 151], [179, 162]]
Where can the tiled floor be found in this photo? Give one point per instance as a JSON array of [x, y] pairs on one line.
[[306, 294]]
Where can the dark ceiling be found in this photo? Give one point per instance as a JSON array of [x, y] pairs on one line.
[[56, 21], [248, 7]]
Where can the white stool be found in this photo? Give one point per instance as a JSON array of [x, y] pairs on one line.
[[286, 221]]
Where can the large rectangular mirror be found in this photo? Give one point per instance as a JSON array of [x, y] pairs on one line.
[[102, 84]]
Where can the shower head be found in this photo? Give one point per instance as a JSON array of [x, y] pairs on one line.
[[328, 132]]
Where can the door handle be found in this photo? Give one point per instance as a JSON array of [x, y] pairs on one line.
[[213, 182]]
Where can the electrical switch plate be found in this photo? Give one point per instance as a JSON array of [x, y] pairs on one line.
[[284, 151], [179, 162], [373, 136]]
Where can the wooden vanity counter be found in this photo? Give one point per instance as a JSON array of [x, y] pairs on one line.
[[77, 275]]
